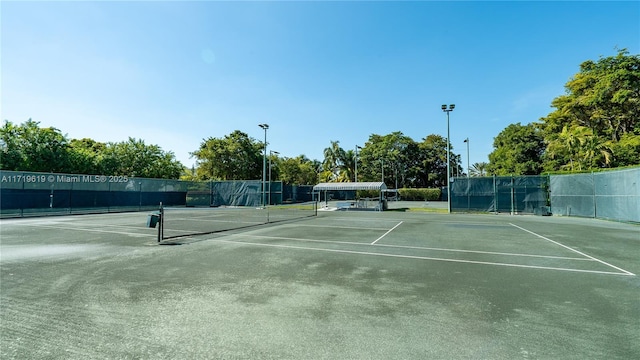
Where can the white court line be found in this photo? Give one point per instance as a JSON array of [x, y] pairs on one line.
[[93, 230], [576, 251], [339, 227], [420, 257], [364, 219], [413, 247], [385, 234]]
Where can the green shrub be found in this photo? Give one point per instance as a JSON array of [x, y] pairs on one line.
[[420, 194], [405, 194], [368, 194]]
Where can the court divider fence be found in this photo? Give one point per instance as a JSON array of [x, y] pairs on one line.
[[610, 195], [501, 194], [32, 193]]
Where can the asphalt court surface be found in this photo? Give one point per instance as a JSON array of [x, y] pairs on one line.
[[344, 284], [473, 240]]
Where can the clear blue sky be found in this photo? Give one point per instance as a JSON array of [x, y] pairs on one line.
[[175, 73]]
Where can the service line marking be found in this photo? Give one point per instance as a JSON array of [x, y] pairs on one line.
[[385, 234], [339, 227], [93, 230], [412, 247], [574, 250], [420, 257]]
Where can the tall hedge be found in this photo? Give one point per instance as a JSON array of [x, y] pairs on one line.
[[420, 194], [407, 194]]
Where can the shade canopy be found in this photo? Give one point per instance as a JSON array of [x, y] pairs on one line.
[[350, 186]]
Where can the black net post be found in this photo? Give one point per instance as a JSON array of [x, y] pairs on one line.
[[161, 223]]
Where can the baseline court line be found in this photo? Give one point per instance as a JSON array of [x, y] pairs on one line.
[[411, 247], [574, 250], [338, 227], [93, 230], [420, 257], [385, 234]]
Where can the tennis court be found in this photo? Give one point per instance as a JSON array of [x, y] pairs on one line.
[[342, 284]]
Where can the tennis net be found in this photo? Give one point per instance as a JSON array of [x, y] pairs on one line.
[[176, 222]]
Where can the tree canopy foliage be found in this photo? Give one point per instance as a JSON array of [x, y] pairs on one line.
[[240, 157], [518, 151], [399, 161], [28, 147], [297, 171], [235, 156], [595, 124]]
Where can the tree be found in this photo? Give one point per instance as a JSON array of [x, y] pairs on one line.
[[135, 158], [626, 151], [518, 150], [402, 162], [600, 108], [85, 156], [234, 157], [28, 147], [390, 158], [479, 169], [335, 163], [298, 171], [434, 161]]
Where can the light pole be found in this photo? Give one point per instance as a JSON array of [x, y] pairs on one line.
[[468, 168], [448, 110], [468, 174], [357, 147], [271, 152], [264, 164]]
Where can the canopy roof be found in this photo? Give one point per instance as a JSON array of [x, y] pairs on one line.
[[350, 186]]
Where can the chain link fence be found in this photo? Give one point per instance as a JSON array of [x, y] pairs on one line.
[[500, 194], [611, 195], [32, 193]]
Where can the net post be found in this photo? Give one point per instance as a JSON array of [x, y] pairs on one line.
[[161, 223]]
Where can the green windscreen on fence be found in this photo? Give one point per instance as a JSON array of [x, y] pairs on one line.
[[30, 193], [504, 194], [613, 195], [233, 193]]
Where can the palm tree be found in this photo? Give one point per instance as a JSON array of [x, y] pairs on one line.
[[339, 162], [479, 169], [572, 140], [347, 166], [596, 153]]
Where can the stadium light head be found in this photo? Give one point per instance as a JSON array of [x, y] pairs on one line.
[[466, 140], [452, 106], [444, 107], [264, 126]]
